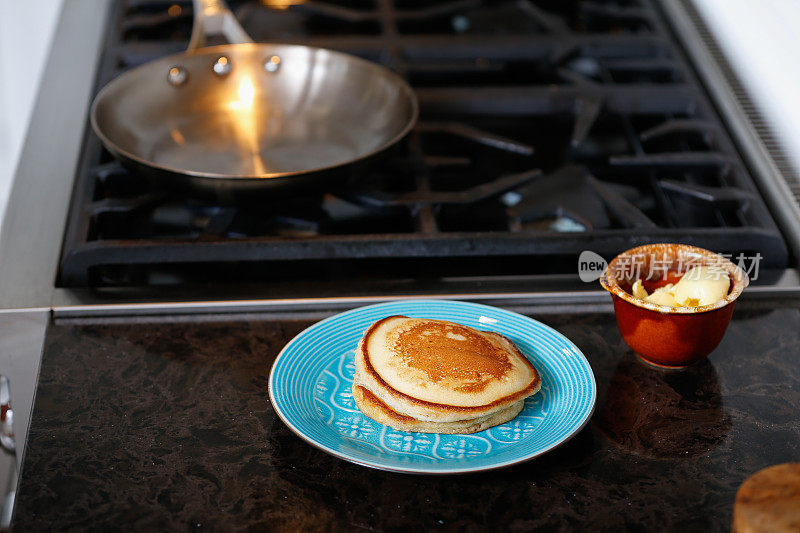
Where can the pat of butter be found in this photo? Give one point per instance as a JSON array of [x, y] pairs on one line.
[[663, 296], [660, 296], [701, 285], [638, 290]]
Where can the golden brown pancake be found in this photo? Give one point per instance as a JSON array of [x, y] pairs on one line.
[[440, 372], [370, 405]]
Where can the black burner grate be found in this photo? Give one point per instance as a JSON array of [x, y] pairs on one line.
[[546, 128]]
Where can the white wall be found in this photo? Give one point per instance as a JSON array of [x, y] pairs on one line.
[[761, 38], [26, 28]]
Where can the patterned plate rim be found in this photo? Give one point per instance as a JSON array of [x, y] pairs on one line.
[[422, 470]]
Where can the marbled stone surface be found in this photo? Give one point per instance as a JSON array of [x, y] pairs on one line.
[[142, 425]]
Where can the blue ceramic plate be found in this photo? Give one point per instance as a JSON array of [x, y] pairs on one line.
[[309, 387]]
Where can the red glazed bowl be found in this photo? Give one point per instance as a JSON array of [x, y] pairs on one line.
[[670, 337]]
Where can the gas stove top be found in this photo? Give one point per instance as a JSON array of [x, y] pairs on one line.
[[546, 129]]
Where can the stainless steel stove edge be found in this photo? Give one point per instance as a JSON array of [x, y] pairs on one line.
[[33, 227], [84, 304]]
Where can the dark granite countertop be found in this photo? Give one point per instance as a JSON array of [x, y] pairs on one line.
[[166, 424]]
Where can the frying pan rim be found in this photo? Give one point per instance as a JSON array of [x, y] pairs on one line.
[[220, 49]]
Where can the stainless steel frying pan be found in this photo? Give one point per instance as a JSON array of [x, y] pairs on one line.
[[232, 122]]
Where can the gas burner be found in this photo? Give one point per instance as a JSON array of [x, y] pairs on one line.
[[571, 199], [423, 187], [416, 199]]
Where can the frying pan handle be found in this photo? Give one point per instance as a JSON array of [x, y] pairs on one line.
[[214, 17]]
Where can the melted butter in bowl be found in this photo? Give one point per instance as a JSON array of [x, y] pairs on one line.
[[669, 314], [701, 285]]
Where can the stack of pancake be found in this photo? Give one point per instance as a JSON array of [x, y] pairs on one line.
[[436, 376]]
